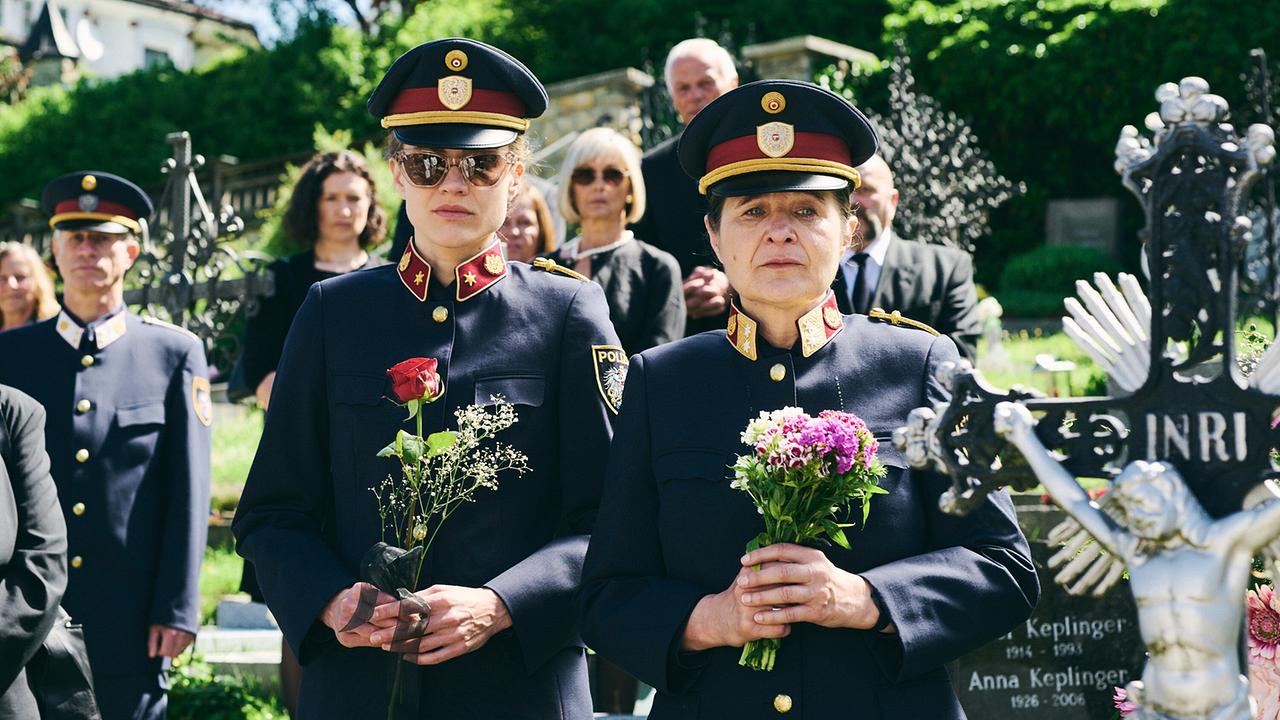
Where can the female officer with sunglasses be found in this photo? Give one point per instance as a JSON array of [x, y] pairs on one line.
[[499, 638], [601, 190]]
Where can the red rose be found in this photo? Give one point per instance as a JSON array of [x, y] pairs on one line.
[[415, 379]]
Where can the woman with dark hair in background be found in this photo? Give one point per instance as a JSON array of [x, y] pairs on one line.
[[334, 213]]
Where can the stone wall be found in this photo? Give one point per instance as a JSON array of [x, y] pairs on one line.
[[608, 99]]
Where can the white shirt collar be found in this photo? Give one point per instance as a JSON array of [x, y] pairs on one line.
[[880, 246]]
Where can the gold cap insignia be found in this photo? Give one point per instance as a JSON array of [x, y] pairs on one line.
[[493, 264], [773, 102], [88, 182], [455, 60], [775, 139], [88, 203], [454, 91]]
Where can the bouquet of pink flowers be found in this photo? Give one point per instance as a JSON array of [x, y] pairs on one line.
[[801, 473]]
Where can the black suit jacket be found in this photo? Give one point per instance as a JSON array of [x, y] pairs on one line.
[[673, 220], [672, 530], [33, 547], [929, 283]]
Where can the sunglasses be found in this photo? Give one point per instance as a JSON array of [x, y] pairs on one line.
[[586, 176], [425, 169]]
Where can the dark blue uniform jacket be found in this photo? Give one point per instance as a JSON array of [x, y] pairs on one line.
[[129, 441], [671, 530], [308, 513]]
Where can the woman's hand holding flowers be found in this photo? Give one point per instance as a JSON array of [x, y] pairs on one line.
[[800, 584], [723, 620], [461, 620]]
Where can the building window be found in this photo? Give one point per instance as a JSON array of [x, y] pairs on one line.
[[156, 58]]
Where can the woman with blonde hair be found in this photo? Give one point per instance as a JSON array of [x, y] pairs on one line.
[[528, 231], [602, 190], [26, 287]]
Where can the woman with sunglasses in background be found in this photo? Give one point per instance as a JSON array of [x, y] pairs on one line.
[[602, 190], [498, 641]]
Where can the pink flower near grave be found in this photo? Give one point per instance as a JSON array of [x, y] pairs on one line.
[[1264, 687], [1264, 624], [1123, 704]]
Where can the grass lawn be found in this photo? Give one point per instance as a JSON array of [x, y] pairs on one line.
[[219, 575], [235, 440]]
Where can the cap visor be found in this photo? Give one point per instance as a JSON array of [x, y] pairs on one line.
[[759, 183], [455, 136], [94, 225]]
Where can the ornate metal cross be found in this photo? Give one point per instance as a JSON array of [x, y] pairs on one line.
[[191, 277], [1187, 443]]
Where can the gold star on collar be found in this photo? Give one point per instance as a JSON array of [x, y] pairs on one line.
[[417, 279], [470, 278], [817, 327]]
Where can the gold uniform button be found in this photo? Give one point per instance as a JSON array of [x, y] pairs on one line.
[[84, 406], [77, 561], [778, 372], [77, 509], [440, 314], [82, 455], [782, 703], [87, 360]]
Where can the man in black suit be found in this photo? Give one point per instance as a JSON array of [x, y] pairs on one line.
[[697, 72], [929, 283]]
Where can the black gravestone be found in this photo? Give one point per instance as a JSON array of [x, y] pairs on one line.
[[1063, 663]]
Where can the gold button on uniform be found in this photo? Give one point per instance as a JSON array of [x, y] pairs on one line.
[[77, 509], [782, 703], [82, 455], [778, 372], [440, 314], [84, 406], [87, 360], [77, 561]]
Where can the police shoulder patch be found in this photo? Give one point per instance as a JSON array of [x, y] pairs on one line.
[[896, 318], [202, 400], [610, 363], [552, 266]]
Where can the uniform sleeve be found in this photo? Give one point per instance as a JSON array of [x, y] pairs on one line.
[[665, 299], [958, 316], [188, 444], [287, 504], [629, 610], [977, 583], [35, 577], [539, 590]]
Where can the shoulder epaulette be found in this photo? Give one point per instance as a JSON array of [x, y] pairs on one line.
[[150, 320], [552, 266], [896, 318]]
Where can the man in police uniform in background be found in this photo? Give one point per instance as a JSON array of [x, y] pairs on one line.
[[128, 436], [697, 71]]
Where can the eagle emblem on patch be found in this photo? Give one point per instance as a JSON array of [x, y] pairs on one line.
[[775, 139], [454, 91], [202, 400], [493, 264], [88, 203], [610, 363]]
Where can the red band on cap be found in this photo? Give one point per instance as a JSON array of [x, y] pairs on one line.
[[818, 146], [103, 206], [412, 100]]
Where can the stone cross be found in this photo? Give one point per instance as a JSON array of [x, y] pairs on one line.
[[1187, 440]]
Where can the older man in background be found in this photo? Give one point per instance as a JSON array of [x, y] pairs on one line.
[[925, 282], [697, 71]]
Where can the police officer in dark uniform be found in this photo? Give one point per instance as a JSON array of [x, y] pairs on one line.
[[128, 435], [667, 592], [511, 560]]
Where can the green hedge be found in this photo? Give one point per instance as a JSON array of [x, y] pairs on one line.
[[1033, 284]]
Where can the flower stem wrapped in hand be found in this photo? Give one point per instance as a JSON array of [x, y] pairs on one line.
[[802, 472]]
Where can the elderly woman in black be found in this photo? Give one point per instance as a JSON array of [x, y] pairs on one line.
[[667, 592], [601, 190]]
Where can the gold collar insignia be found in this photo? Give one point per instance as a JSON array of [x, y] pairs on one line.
[[104, 334], [817, 327]]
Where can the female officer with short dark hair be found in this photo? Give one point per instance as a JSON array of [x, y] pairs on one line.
[[667, 592], [499, 641]]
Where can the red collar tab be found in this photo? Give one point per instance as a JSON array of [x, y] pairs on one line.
[[481, 271], [819, 325], [414, 272]]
